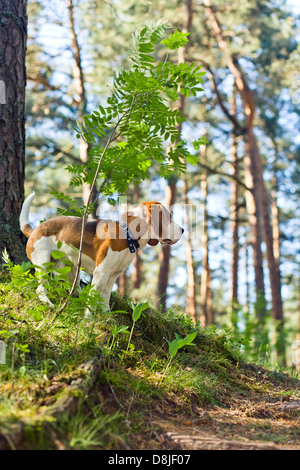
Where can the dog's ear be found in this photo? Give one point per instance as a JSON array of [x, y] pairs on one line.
[[125, 216], [152, 242], [138, 227]]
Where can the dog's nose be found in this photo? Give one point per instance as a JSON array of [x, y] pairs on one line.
[[182, 230]]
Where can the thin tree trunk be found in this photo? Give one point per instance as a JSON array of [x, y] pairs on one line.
[[275, 214], [13, 37], [122, 284], [234, 225], [259, 190], [247, 304], [165, 252], [276, 250], [253, 210], [79, 86], [136, 277], [191, 304], [252, 202], [297, 352], [206, 317]]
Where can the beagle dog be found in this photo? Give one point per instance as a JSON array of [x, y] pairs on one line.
[[108, 246]]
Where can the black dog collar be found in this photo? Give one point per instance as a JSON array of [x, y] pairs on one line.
[[132, 243]]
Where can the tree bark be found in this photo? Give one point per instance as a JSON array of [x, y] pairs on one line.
[[13, 38], [122, 284], [297, 351], [165, 253], [136, 277], [253, 210], [207, 317], [234, 225], [276, 251], [275, 213], [191, 303]]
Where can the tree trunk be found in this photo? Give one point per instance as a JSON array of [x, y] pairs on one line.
[[256, 236], [275, 281], [254, 162], [207, 317], [276, 250], [248, 330], [297, 351], [136, 277], [191, 304], [13, 37], [122, 284], [79, 86], [165, 253], [275, 214], [234, 225]]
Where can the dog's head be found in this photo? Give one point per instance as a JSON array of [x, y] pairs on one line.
[[152, 221]]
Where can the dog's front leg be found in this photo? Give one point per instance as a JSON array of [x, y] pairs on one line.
[[103, 283]]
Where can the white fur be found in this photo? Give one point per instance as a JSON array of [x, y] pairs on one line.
[[24, 216]]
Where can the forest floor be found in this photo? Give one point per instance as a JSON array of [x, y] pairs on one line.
[[72, 384], [263, 420], [248, 424]]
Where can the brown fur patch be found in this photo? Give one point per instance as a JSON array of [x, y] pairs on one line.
[[68, 230], [27, 230]]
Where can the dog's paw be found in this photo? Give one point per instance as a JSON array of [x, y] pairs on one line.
[[43, 298]]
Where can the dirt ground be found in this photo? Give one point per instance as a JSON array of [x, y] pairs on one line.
[[246, 425]]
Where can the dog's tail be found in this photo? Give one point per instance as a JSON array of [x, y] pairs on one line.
[[24, 216]]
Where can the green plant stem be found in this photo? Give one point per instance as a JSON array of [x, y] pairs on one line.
[[13, 363], [166, 368], [111, 139], [129, 341]]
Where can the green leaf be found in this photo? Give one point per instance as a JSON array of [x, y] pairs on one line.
[[173, 348], [26, 266], [64, 270], [35, 314], [187, 340], [57, 254], [22, 370], [138, 310], [176, 40]]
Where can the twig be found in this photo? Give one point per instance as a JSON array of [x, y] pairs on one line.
[[111, 139], [214, 171]]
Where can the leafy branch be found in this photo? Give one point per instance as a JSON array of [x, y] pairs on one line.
[[140, 122]]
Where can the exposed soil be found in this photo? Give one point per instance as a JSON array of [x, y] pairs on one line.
[[253, 421], [246, 425]]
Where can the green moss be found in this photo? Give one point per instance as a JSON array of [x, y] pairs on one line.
[[130, 384]]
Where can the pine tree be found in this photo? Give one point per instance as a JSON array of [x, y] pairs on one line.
[[13, 37]]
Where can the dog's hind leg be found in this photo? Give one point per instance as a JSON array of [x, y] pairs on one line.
[[39, 257]]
